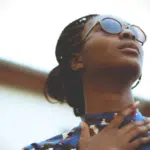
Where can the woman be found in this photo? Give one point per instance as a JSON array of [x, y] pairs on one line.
[[100, 58]]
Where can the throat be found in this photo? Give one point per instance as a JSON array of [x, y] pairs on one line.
[[106, 91], [106, 96], [97, 102]]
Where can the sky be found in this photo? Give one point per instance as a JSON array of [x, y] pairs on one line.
[[29, 29]]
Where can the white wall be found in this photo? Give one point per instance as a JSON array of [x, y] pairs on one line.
[[27, 117]]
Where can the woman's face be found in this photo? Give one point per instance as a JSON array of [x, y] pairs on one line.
[[103, 50]]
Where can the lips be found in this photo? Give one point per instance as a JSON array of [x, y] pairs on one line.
[[131, 45]]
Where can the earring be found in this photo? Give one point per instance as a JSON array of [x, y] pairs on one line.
[[138, 81]]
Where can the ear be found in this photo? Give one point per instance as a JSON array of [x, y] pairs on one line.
[[77, 62]]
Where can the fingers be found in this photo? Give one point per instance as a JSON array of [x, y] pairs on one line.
[[84, 136], [85, 133], [116, 122], [132, 125], [135, 144], [137, 131]]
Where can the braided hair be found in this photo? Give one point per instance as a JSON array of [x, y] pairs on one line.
[[64, 84]]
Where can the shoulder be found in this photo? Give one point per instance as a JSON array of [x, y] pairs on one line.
[[68, 140]]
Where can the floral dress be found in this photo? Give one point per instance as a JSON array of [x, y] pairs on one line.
[[96, 122]]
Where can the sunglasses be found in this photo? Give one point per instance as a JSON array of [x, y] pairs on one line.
[[113, 26]]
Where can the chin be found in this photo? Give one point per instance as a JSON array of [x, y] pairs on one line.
[[130, 66]]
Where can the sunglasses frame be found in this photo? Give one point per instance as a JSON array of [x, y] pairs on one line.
[[123, 26]]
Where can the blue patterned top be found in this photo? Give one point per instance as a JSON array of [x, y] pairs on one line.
[[96, 122]]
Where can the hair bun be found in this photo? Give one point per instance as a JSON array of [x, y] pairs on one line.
[[54, 86]]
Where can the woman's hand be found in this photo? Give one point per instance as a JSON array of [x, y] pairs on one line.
[[113, 138]]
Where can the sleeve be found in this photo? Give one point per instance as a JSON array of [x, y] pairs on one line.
[[50, 144], [65, 141]]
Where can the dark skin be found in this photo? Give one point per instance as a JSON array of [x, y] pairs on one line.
[[107, 72]]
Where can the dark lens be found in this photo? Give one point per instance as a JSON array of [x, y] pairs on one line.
[[139, 34], [111, 25]]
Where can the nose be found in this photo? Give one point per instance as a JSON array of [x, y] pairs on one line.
[[127, 34]]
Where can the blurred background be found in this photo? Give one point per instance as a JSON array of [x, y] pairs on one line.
[[29, 30]]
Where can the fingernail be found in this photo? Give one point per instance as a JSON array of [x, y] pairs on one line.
[[136, 104]]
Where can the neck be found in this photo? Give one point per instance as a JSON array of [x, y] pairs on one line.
[[106, 92]]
